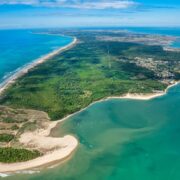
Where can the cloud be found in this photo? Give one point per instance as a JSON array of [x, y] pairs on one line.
[[105, 5], [78, 4], [24, 2]]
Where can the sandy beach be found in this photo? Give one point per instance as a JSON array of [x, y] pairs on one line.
[[143, 96], [4, 85], [54, 149]]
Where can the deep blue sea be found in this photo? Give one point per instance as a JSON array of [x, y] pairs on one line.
[[20, 47]]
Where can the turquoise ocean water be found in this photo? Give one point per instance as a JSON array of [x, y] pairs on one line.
[[122, 140], [20, 47]]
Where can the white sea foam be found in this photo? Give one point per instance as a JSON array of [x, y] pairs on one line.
[[27, 172], [4, 175]]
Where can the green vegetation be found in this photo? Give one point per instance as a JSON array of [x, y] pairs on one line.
[[14, 127], [29, 126], [90, 71], [9, 120], [6, 137], [12, 155]]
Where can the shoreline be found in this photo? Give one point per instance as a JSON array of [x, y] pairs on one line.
[[68, 143], [58, 150], [143, 97], [128, 96], [24, 70], [61, 147]]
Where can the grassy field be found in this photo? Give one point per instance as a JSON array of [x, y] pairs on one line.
[[90, 71]]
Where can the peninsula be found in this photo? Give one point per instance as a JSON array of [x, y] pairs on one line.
[[94, 67]]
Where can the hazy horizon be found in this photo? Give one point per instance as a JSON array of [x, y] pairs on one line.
[[85, 13]]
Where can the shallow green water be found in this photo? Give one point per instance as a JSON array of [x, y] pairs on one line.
[[123, 139]]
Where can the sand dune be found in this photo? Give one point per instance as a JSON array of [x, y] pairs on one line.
[[54, 149]]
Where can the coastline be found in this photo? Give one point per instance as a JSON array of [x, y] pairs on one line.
[[68, 143], [148, 96], [143, 97], [9, 81], [57, 149], [41, 138]]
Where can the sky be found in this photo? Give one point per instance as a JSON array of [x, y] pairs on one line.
[[88, 13]]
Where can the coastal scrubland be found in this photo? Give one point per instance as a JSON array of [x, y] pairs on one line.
[[25, 136], [12, 124], [12, 155], [6, 137], [92, 70]]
